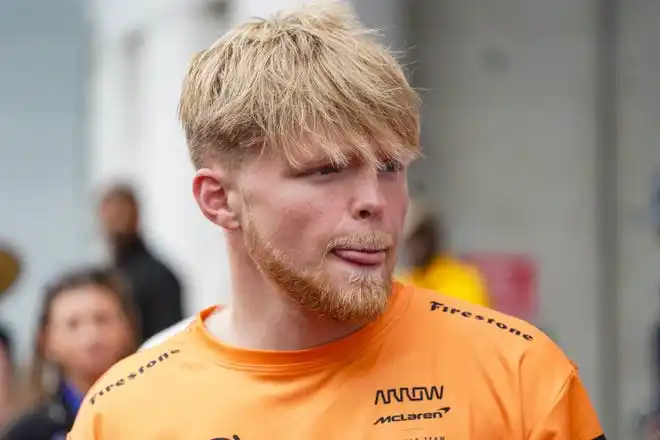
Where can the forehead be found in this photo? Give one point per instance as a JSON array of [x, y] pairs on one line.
[[81, 299], [116, 199], [116, 203]]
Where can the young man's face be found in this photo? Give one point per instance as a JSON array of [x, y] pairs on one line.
[[327, 235]]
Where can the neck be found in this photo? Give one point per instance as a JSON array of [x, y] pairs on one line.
[[263, 317]]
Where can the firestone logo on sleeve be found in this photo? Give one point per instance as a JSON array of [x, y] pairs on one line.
[[132, 376], [437, 306]]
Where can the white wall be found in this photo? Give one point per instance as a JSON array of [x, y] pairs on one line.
[[639, 158], [43, 75]]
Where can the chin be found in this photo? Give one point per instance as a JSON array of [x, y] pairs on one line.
[[358, 280]]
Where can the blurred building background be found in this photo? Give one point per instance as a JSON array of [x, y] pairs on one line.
[[44, 193], [541, 127]]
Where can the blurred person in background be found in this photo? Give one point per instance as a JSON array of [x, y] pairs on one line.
[[432, 265], [301, 127], [156, 289], [650, 423], [8, 401], [10, 269], [87, 324], [655, 206]]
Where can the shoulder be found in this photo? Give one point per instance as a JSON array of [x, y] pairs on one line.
[[133, 388], [506, 358], [156, 263], [133, 376], [485, 333], [148, 266]]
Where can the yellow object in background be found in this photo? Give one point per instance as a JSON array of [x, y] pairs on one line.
[[10, 269], [451, 277]]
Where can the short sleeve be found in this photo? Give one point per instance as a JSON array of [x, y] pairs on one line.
[[571, 415]]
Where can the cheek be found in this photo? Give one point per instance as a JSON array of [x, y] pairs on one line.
[[121, 339], [62, 347], [397, 206], [297, 226], [300, 227]]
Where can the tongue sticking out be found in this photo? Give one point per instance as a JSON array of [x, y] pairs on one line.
[[362, 258]]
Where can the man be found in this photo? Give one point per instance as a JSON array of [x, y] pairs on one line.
[[432, 265], [156, 289], [301, 127]]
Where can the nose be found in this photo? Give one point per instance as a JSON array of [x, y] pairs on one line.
[[368, 201], [93, 332]]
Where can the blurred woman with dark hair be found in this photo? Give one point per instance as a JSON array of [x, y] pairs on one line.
[[87, 324]]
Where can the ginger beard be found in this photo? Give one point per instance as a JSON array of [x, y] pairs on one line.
[[365, 296]]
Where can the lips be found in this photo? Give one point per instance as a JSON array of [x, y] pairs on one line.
[[362, 257]]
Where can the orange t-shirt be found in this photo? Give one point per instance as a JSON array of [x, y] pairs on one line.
[[429, 368]]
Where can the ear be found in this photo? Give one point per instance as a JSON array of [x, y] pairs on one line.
[[211, 191]]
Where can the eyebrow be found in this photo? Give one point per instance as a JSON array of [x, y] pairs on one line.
[[381, 153]]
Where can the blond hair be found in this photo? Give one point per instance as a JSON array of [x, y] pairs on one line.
[[309, 76]]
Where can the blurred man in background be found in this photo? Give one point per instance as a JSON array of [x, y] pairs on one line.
[[156, 289], [431, 264]]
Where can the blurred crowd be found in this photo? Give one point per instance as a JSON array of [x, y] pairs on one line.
[[90, 318]]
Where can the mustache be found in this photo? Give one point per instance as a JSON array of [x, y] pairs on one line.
[[364, 241]]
